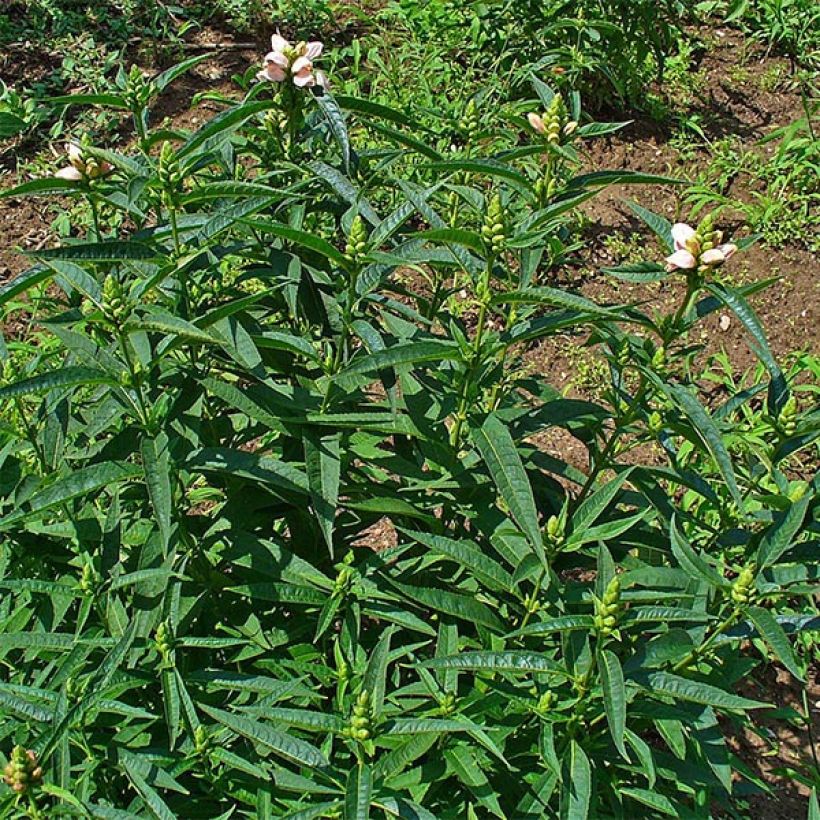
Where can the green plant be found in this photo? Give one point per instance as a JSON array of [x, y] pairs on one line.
[[214, 406], [788, 26], [782, 169]]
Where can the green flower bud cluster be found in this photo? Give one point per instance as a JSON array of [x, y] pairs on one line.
[[22, 772], [547, 700], [343, 582], [787, 418], [169, 172], [545, 187], [609, 609], [88, 579], [447, 704], [469, 124], [493, 228], [658, 361], [356, 247], [454, 208], [360, 721], [164, 640], [137, 91], [555, 533], [75, 689], [554, 124], [114, 301], [133, 379], [655, 422], [202, 741], [252, 286], [743, 586], [7, 374]]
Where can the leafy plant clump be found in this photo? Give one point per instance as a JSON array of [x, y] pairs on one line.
[[277, 536]]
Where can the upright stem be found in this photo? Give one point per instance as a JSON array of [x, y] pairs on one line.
[[464, 393], [95, 216], [701, 650]]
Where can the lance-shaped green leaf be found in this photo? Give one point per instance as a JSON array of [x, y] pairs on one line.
[[412, 353], [77, 484], [157, 807], [577, 793], [464, 607], [156, 465], [592, 508], [612, 684], [655, 801], [358, 792], [512, 660], [562, 623], [114, 251], [302, 238], [674, 686], [691, 562], [50, 186], [323, 468], [65, 377], [250, 466], [504, 464], [290, 748], [469, 555], [733, 299], [775, 636], [20, 284], [707, 431], [779, 536]]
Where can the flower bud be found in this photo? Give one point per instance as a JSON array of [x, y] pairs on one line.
[[787, 418], [168, 170], [655, 422], [743, 586], [609, 608], [493, 229], [468, 124], [23, 771], [114, 303], [447, 704], [163, 639], [202, 740], [658, 361], [360, 720], [356, 247], [88, 579]]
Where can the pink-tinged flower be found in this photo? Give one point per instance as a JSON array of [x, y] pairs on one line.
[[294, 61], [681, 260], [718, 255], [683, 235], [688, 253], [80, 168], [537, 123], [302, 70], [69, 173]]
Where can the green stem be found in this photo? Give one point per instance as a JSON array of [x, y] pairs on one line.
[[143, 410], [464, 392], [172, 218], [95, 216], [701, 650], [536, 590]]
